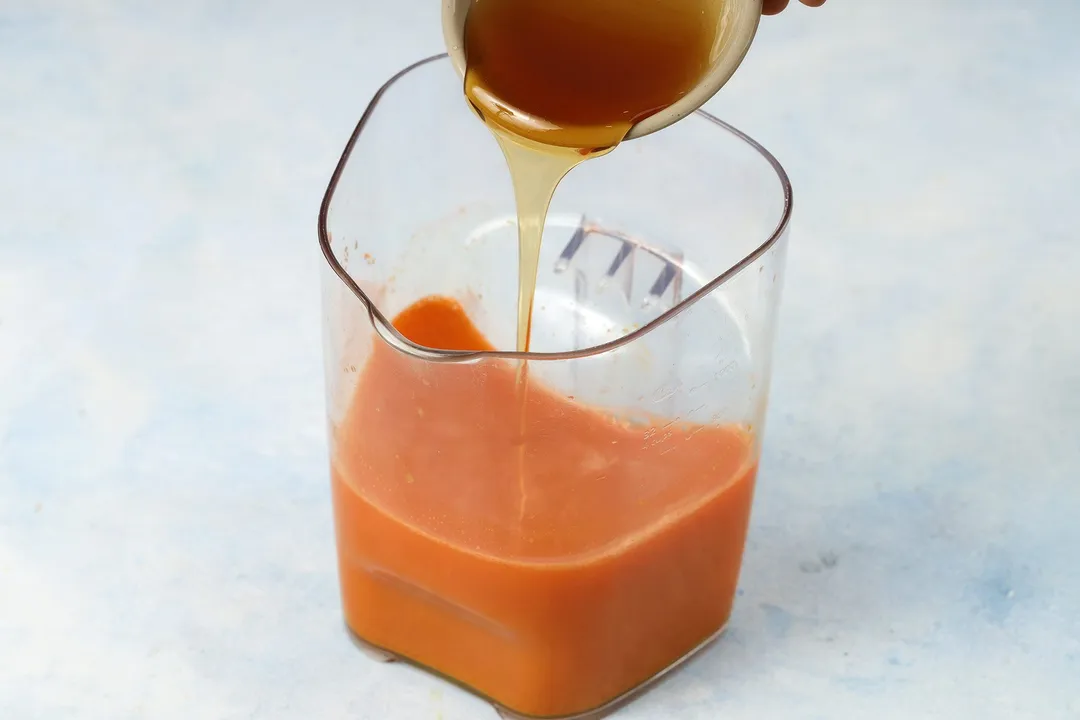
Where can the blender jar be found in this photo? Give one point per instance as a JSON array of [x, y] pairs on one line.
[[552, 529]]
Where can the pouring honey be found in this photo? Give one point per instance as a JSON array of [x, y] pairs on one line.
[[545, 554]]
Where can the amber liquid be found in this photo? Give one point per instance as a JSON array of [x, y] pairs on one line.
[[562, 80], [559, 81], [579, 73]]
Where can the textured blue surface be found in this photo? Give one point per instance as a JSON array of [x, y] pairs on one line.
[[165, 539]]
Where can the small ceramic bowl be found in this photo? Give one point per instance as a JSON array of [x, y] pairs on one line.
[[738, 22]]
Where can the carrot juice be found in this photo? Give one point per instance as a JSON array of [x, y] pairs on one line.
[[551, 565]]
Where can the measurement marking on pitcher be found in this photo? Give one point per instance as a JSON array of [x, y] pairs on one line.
[[665, 393], [656, 292], [726, 370], [571, 249], [617, 262]]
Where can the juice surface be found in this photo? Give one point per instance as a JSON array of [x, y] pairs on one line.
[[552, 565]]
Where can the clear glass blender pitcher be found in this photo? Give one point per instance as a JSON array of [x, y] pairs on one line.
[[553, 546]]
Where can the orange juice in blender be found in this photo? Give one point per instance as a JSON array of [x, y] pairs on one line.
[[550, 514]]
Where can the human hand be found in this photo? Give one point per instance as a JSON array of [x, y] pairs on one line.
[[771, 7]]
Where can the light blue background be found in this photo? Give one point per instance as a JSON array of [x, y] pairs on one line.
[[165, 540]]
